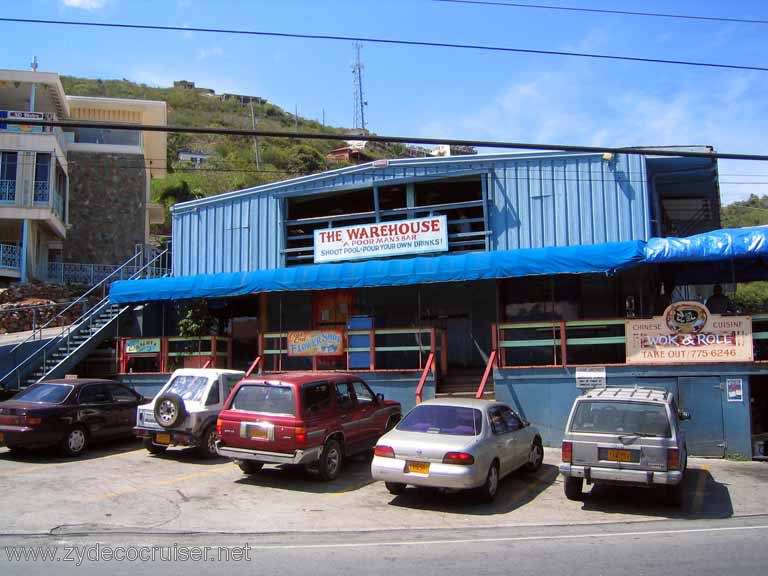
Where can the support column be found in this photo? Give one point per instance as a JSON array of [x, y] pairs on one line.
[[23, 251]]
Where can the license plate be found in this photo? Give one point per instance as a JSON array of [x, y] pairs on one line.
[[417, 467], [619, 455], [162, 438], [257, 433]]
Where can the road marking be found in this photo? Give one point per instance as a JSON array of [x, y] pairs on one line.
[[505, 539], [109, 495]]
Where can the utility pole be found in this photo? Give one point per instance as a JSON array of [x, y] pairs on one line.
[[360, 103], [323, 117], [255, 139], [296, 117]]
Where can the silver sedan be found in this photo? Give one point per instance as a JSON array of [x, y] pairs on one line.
[[456, 443]]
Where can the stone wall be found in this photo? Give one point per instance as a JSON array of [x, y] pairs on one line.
[[107, 207]]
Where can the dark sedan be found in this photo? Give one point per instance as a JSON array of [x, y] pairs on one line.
[[68, 414]]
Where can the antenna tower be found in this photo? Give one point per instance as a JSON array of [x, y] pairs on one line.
[[358, 122]]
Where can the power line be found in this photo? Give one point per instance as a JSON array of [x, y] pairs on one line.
[[604, 11], [391, 41], [645, 151]]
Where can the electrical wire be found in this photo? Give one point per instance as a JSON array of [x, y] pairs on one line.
[[390, 41], [605, 11], [638, 151], [203, 170]]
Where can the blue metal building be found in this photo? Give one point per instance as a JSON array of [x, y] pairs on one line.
[[545, 257]]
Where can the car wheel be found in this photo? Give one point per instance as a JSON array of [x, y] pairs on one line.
[[574, 487], [330, 460], [170, 410], [488, 491], [75, 441], [153, 448], [249, 466], [535, 457], [395, 487], [207, 446]]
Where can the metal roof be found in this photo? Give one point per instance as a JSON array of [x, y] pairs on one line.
[[372, 167]]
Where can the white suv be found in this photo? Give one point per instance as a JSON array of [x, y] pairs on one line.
[[627, 436], [184, 412]]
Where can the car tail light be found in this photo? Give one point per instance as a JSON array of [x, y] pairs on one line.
[[461, 458], [567, 452], [384, 452], [673, 459], [219, 426], [27, 420], [300, 435]]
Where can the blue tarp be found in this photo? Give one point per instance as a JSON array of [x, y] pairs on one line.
[[718, 245], [734, 247], [600, 258]]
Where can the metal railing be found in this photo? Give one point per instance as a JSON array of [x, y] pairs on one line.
[[42, 193], [83, 324], [560, 342], [387, 349], [10, 256], [7, 191]]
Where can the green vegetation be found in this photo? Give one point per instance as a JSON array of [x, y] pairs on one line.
[[234, 164], [751, 296]]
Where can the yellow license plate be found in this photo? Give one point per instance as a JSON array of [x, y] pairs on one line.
[[162, 438], [620, 455], [258, 433], [417, 467]]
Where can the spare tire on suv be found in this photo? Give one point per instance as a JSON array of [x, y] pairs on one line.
[[170, 410]]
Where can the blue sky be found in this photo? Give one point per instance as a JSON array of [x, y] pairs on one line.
[[443, 92]]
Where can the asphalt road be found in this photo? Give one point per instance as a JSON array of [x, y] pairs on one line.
[[734, 546]]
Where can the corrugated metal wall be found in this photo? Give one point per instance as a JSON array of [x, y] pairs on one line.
[[242, 233], [533, 201], [568, 201]]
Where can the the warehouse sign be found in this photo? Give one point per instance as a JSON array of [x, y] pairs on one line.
[[689, 333], [382, 239]]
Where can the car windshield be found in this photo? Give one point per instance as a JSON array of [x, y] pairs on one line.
[[265, 398], [191, 388], [452, 420], [45, 393], [624, 418]]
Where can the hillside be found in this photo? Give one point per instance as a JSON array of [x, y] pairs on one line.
[[752, 296], [234, 166]]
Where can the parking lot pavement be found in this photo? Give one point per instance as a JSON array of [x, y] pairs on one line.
[[122, 488]]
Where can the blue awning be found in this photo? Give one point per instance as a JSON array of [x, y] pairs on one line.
[[714, 246], [599, 258]]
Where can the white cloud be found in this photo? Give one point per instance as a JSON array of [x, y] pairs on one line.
[[204, 53], [573, 105], [85, 4]]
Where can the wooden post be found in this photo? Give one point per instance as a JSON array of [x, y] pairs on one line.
[[494, 337], [214, 351], [563, 344], [372, 349], [443, 352]]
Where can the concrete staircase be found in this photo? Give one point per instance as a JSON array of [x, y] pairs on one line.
[[463, 382]]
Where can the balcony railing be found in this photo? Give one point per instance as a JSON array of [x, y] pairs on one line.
[[7, 191], [42, 193], [10, 256], [91, 274]]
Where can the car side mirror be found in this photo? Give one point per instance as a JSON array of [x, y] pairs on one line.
[[683, 415], [380, 397]]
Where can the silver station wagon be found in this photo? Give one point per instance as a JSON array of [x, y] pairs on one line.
[[456, 443], [627, 436]]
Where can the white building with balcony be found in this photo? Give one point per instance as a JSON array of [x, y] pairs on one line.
[[74, 199]]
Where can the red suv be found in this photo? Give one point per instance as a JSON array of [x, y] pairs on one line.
[[313, 419]]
